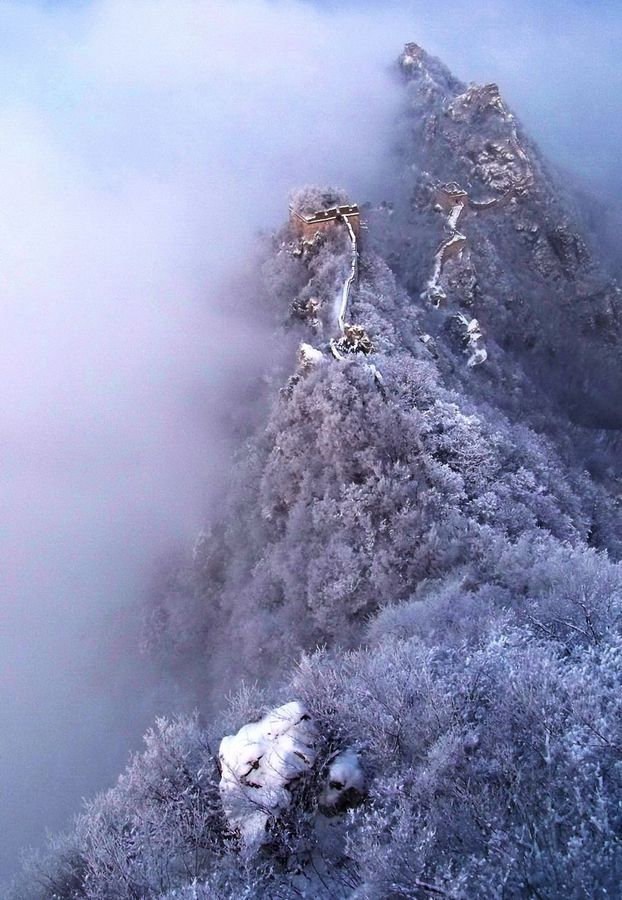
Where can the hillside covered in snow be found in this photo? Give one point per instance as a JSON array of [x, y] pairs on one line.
[[405, 625]]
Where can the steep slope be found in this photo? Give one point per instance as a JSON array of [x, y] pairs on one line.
[[525, 271], [417, 503], [360, 489]]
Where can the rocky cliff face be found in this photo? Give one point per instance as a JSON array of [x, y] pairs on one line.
[[524, 270]]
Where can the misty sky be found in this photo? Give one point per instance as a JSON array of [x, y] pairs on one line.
[[142, 145]]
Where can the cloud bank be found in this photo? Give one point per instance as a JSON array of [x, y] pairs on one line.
[[142, 146]]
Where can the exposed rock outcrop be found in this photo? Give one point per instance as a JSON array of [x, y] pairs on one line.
[[513, 254]]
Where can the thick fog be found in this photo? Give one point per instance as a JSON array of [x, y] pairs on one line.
[[143, 144]]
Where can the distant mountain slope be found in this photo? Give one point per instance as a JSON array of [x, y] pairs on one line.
[[527, 273]]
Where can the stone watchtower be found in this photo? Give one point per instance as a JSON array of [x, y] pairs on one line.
[[307, 224]]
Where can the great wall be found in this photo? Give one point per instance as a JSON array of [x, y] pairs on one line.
[[449, 198]]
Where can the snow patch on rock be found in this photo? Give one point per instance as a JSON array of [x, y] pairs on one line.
[[473, 339], [345, 780], [259, 765], [309, 356]]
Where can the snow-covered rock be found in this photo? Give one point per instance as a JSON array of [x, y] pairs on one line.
[[346, 780], [472, 339], [259, 764], [308, 356]]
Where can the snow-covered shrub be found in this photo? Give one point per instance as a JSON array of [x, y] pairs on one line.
[[492, 765], [161, 825], [491, 759], [55, 873]]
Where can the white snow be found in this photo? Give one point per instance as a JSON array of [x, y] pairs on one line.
[[347, 285], [376, 374], [335, 350], [454, 215], [475, 347], [344, 774], [434, 291], [477, 357], [260, 762], [309, 356]]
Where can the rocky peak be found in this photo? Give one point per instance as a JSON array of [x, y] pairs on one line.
[[427, 72], [414, 59], [511, 252]]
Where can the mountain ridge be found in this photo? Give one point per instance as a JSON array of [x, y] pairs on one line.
[[413, 584]]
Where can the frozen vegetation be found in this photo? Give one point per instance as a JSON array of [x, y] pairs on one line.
[[414, 584]]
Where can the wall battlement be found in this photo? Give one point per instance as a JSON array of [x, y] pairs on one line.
[[306, 225]]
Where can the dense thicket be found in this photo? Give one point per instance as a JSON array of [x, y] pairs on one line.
[[488, 719]]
